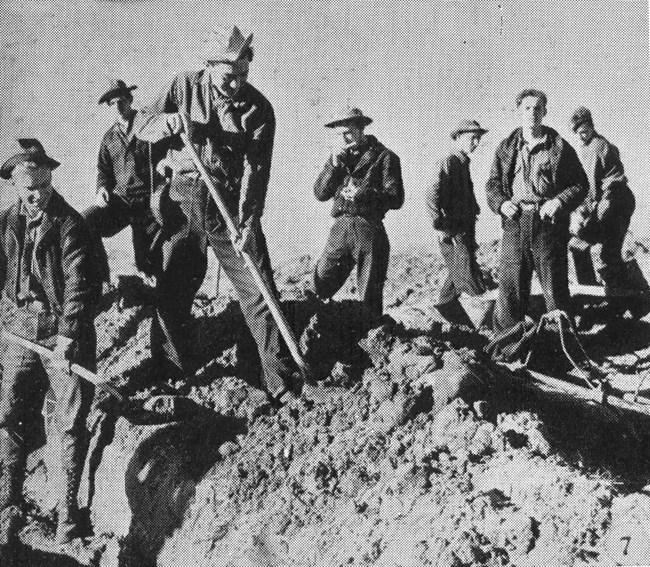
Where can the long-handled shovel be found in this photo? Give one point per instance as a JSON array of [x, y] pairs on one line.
[[76, 368], [259, 280]]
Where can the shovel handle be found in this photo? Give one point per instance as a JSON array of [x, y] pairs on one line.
[[258, 278], [76, 368]]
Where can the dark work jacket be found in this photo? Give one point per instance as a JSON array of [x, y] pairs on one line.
[[566, 178], [379, 175], [123, 164], [450, 198], [62, 261], [233, 138]]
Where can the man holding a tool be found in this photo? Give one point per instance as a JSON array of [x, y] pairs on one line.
[[535, 182], [49, 279], [364, 180], [232, 126]]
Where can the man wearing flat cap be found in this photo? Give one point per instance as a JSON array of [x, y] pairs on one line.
[[364, 180], [48, 277], [124, 184], [604, 216], [536, 181], [453, 210], [232, 125]]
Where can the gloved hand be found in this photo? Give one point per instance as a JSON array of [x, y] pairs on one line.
[[63, 354], [178, 122], [509, 209], [550, 210], [577, 223], [245, 241], [101, 197]]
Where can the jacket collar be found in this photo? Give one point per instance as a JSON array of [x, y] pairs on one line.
[[201, 104], [553, 143], [51, 212], [373, 149]]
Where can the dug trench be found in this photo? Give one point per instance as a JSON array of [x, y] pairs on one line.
[[414, 449]]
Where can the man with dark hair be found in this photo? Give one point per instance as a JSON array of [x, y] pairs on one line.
[[47, 276], [453, 210], [364, 179], [535, 182], [124, 184], [232, 125], [604, 216]]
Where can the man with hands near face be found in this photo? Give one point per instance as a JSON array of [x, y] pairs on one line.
[[50, 281], [232, 126], [364, 180], [535, 182]]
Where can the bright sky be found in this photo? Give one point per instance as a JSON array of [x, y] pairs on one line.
[[416, 67]]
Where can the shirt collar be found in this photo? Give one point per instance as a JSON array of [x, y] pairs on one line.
[[543, 141], [462, 156]]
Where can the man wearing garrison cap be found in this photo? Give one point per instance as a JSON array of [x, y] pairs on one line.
[[604, 216], [48, 279], [123, 184], [232, 125], [364, 180]]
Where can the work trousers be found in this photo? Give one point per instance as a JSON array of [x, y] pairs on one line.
[[184, 266], [529, 244], [612, 229], [26, 379], [355, 241], [464, 275], [104, 222]]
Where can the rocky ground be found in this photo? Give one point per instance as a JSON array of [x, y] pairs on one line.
[[415, 448]]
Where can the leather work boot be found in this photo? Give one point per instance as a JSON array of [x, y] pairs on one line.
[[12, 470], [72, 462]]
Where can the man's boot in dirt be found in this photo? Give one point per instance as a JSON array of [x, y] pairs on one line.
[[453, 312], [12, 475], [72, 463]]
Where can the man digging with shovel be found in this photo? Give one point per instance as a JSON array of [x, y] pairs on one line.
[[232, 126], [47, 276]]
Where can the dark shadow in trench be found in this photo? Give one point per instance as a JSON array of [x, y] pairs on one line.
[[162, 477]]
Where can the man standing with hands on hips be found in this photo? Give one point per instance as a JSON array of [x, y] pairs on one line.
[[364, 179], [535, 182]]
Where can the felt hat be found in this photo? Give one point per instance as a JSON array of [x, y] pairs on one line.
[[26, 150], [581, 116], [116, 89], [226, 45], [349, 114], [467, 126]]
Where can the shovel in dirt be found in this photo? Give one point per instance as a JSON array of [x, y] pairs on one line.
[[258, 278], [155, 409]]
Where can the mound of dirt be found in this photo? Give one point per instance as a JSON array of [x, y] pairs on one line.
[[414, 449]]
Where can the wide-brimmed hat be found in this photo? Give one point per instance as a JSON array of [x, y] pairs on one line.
[[24, 150], [467, 126], [348, 114], [226, 45], [116, 89], [580, 116]]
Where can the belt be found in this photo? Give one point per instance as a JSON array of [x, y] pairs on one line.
[[530, 206]]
